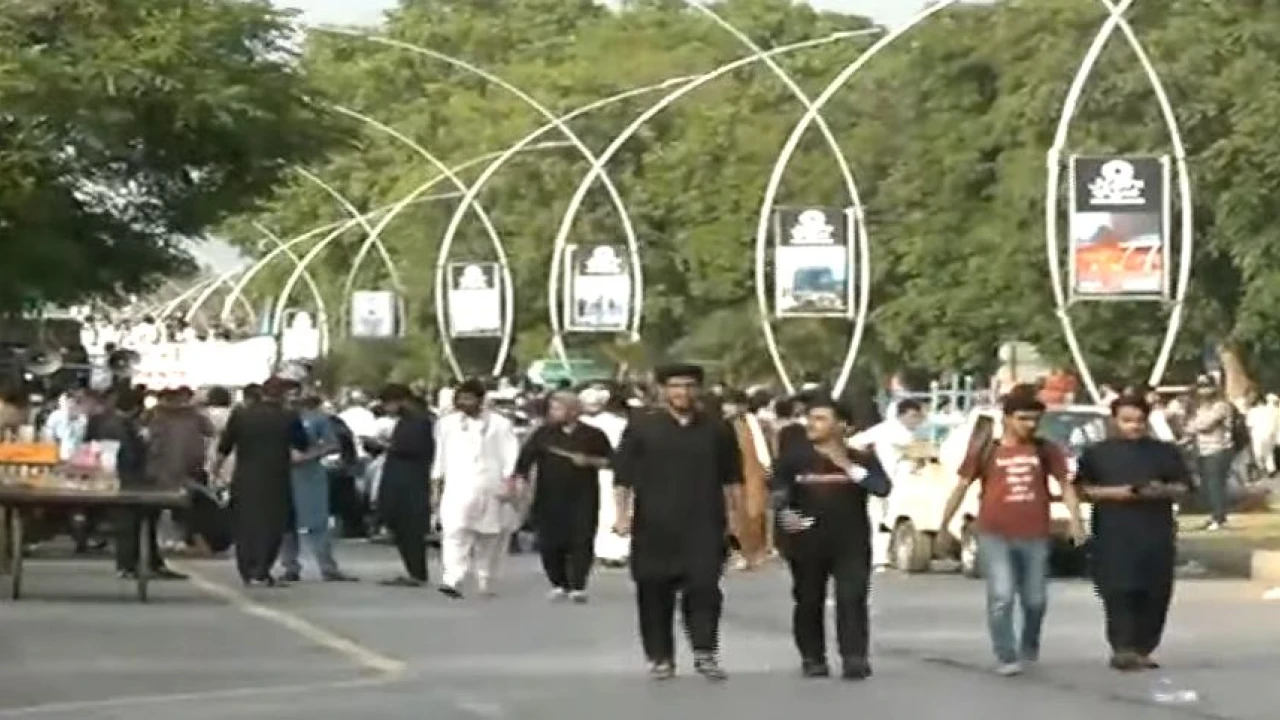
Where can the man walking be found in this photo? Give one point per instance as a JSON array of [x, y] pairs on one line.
[[678, 479], [1014, 525], [1133, 481], [820, 494], [475, 463], [565, 457]]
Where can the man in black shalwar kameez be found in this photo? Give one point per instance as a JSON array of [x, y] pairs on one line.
[[404, 493], [567, 456], [677, 479], [267, 438], [1133, 481]]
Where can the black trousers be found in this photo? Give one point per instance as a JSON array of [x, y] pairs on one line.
[[701, 603], [810, 573], [1136, 618], [410, 539], [347, 505], [128, 527], [567, 564], [257, 541]]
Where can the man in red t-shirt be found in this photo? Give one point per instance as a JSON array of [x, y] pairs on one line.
[[1014, 526]]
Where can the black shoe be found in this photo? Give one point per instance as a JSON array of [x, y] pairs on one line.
[[815, 668], [450, 592], [662, 670], [856, 669], [127, 574], [338, 576], [164, 573], [401, 581], [291, 576], [708, 666]]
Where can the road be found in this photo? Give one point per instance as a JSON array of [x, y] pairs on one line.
[[80, 647]]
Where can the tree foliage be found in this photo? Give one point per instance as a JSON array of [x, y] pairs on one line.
[[946, 130], [128, 125]]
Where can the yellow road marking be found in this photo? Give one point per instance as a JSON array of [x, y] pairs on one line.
[[226, 694], [359, 654]]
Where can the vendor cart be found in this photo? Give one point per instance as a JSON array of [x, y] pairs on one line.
[[31, 479]]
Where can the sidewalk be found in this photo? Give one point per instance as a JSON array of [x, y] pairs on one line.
[[1249, 548]]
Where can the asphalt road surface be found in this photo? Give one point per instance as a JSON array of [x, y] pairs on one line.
[[80, 647]]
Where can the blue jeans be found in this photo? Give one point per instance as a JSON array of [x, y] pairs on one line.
[[1215, 472], [1015, 570], [311, 527]]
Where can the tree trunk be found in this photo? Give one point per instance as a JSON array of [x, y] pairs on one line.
[[1236, 381]]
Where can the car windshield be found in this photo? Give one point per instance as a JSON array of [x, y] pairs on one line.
[[1072, 430]]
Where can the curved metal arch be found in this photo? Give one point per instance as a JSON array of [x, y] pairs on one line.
[[172, 305], [322, 310], [614, 196], [597, 170], [374, 233], [1116, 21], [789, 149], [393, 272], [855, 200], [455, 222]]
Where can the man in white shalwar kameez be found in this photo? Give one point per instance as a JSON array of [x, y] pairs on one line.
[[611, 548], [475, 461], [891, 440]]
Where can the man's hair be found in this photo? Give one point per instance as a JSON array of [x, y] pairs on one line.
[[1132, 400], [1021, 401], [909, 405], [218, 397], [827, 403], [472, 387]]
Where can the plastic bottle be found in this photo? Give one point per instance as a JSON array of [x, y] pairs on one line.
[[1166, 693]]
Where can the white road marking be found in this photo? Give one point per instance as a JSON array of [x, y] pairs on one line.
[[359, 654], [226, 694], [484, 709]]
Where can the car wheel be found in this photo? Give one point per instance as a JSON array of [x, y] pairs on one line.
[[911, 550], [970, 566]]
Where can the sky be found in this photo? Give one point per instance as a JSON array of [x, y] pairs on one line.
[[890, 12]]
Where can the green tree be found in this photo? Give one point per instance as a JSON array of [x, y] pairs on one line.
[[126, 125]]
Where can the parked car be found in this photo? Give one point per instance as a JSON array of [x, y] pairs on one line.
[[917, 502]]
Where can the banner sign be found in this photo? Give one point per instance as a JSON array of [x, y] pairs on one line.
[[1120, 220], [474, 299], [812, 262], [373, 314], [205, 363], [597, 290]]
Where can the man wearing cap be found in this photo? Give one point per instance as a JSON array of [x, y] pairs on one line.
[[678, 478], [564, 457], [267, 438]]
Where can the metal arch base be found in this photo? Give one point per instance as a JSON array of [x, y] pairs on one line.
[[770, 198], [851, 187], [1116, 21], [597, 171], [442, 259]]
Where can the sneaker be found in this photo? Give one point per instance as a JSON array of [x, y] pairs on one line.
[[338, 576], [662, 670], [292, 576], [450, 592], [557, 594], [578, 597], [708, 666], [1009, 669]]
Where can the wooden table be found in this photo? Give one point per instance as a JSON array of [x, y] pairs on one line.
[[15, 499]]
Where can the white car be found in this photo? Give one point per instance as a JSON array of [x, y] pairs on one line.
[[916, 505]]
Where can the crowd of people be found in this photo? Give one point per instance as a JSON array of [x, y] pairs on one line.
[[676, 482]]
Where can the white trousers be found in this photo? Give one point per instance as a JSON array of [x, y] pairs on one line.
[[877, 509], [610, 547], [1264, 449], [466, 552]]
